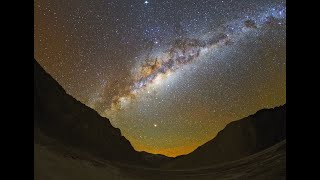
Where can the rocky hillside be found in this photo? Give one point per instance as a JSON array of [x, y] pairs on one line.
[[59, 116], [239, 139]]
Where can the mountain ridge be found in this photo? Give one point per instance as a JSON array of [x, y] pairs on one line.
[[60, 116], [238, 139]]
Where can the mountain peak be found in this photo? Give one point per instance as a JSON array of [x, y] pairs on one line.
[[60, 116]]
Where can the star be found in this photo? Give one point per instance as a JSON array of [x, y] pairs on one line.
[[191, 67]]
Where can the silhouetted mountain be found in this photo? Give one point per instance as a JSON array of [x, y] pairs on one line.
[[59, 116], [238, 139], [155, 160]]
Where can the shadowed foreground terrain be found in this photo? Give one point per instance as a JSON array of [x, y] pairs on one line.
[[268, 164], [72, 141]]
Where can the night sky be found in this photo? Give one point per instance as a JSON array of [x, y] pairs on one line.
[[169, 74]]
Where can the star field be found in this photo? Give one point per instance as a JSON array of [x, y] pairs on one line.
[[169, 74]]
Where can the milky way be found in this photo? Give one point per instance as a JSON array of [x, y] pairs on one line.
[[169, 74], [185, 50]]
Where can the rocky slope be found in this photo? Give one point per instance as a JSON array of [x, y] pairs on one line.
[[238, 139], [61, 117]]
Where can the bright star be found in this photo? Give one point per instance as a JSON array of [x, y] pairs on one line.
[[155, 125], [146, 2]]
